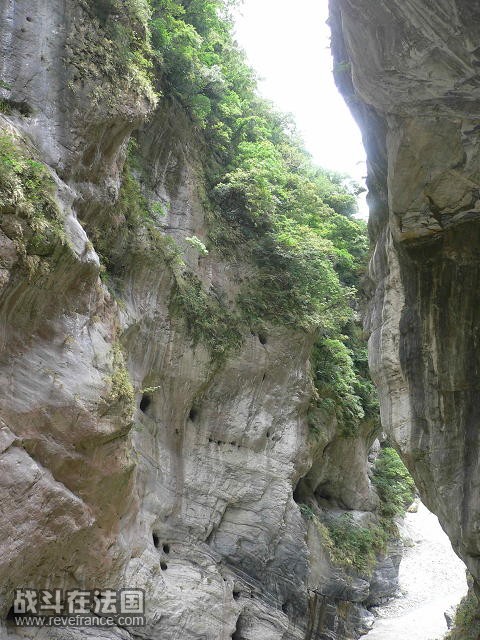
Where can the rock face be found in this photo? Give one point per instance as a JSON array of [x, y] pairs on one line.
[[410, 73], [129, 456]]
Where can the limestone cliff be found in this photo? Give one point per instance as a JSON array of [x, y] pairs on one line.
[[130, 454], [410, 73]]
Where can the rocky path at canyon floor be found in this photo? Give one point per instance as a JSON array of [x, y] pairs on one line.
[[432, 579]]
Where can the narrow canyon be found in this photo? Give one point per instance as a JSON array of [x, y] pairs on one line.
[[186, 408]]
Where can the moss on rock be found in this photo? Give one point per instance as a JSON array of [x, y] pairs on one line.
[[30, 215]]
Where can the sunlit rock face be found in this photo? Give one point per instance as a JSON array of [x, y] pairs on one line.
[[128, 456], [410, 73]]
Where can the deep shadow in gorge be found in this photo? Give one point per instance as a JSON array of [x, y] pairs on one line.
[[184, 402], [409, 72]]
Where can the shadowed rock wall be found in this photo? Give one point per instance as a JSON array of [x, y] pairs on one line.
[[129, 456], [410, 74]]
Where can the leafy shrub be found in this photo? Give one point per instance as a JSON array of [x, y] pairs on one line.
[[113, 44], [354, 545], [349, 544], [198, 245], [342, 379], [121, 389], [137, 233], [27, 191], [336, 381], [467, 620], [393, 482], [306, 511], [208, 320], [271, 207]]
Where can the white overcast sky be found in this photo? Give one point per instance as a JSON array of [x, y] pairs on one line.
[[288, 44]]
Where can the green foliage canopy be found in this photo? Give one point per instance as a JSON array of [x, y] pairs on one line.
[[270, 205]]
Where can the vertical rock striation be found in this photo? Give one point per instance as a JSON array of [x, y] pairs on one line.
[[410, 74], [129, 455]]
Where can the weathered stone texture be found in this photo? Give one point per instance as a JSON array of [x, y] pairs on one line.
[[188, 494], [410, 73]]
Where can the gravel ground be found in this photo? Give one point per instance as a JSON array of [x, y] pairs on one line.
[[432, 579]]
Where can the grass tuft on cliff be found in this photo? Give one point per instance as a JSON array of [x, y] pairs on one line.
[[112, 44], [355, 546], [30, 214], [350, 545], [467, 620], [207, 319]]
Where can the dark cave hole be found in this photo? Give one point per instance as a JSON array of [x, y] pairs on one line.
[[166, 548], [236, 595], [156, 540], [145, 402], [285, 607], [297, 493], [193, 414], [163, 566], [268, 434], [323, 492], [263, 338]]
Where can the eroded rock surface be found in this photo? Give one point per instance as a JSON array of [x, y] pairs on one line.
[[410, 73], [130, 456]]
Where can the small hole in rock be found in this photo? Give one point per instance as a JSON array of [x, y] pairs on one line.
[[156, 540], [28, 19], [193, 415], [285, 607], [263, 338], [166, 548], [236, 595], [299, 493], [145, 402], [163, 566], [268, 434]]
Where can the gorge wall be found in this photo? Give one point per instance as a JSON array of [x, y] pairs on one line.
[[410, 74], [130, 456], [135, 454]]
